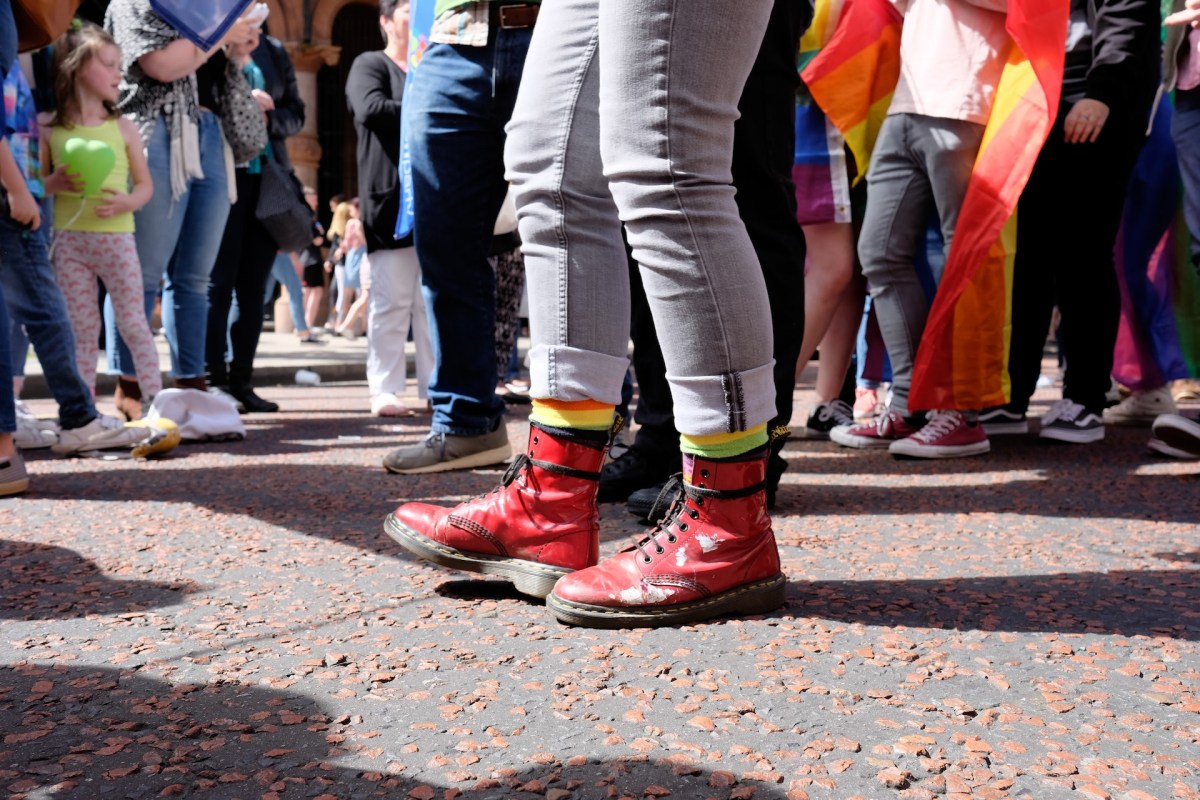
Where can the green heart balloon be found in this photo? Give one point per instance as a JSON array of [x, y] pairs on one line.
[[91, 160]]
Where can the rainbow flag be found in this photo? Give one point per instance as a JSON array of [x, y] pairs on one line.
[[962, 361], [1159, 337], [854, 74]]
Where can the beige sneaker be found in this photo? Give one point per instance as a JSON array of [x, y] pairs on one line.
[[1141, 408], [13, 477], [441, 452]]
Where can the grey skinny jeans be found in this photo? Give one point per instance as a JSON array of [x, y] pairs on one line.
[[920, 165], [625, 115]]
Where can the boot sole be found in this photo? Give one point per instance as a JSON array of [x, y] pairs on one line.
[[529, 577], [759, 597]]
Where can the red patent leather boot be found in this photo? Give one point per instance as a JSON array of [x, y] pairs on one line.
[[539, 525], [713, 553]]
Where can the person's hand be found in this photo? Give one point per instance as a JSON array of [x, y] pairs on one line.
[[115, 203], [1085, 120], [24, 209], [265, 101], [62, 181], [1190, 15], [241, 31]]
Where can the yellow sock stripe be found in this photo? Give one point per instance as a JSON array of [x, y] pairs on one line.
[[724, 445], [587, 415]]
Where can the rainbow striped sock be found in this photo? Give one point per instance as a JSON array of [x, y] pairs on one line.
[[724, 445], [584, 415]]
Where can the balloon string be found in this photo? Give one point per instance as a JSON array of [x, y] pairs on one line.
[[66, 225]]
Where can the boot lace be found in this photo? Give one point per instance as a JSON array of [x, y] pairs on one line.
[[673, 497]]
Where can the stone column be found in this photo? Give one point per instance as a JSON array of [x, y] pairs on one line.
[[305, 148]]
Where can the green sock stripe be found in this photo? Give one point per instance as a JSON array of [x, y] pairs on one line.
[[728, 449]]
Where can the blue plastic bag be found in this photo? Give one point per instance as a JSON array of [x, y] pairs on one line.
[[201, 23]]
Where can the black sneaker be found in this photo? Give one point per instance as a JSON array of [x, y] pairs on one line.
[[1000, 421], [827, 416], [1067, 421]]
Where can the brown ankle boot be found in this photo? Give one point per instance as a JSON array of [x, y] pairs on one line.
[[713, 553], [539, 525], [192, 383], [128, 399]]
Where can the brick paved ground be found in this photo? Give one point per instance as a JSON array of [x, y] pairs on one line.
[[232, 623]]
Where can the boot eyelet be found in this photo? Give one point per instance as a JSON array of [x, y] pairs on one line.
[[647, 559], [672, 539], [703, 472], [699, 501], [694, 514], [659, 550], [535, 440], [683, 526]]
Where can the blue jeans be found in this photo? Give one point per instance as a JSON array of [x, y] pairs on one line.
[[8, 409], [1185, 130], [283, 272], [35, 301], [457, 109], [178, 239]]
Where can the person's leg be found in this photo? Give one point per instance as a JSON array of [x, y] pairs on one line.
[[1041, 249], [1089, 298], [14, 478], [894, 226], [285, 272], [185, 293], [459, 109], [837, 346], [245, 328], [1185, 130], [157, 226], [670, 80], [389, 312], [221, 282], [36, 302], [76, 265], [115, 258]]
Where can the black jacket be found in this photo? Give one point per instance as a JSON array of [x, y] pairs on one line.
[[374, 89], [288, 117], [1119, 63]]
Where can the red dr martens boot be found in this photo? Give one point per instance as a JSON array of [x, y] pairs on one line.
[[712, 554], [540, 524]]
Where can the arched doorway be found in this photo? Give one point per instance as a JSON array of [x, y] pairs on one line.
[[355, 31]]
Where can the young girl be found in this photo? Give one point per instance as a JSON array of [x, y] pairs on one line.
[[94, 234], [352, 251]]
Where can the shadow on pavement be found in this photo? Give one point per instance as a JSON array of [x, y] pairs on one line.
[[1118, 603], [45, 582], [84, 732]]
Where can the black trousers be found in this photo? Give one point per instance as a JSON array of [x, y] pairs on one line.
[[243, 264], [1067, 222], [763, 152]]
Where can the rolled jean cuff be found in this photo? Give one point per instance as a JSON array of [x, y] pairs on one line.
[[735, 401], [571, 374]]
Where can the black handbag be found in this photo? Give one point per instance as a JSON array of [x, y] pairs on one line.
[[242, 120], [282, 209]]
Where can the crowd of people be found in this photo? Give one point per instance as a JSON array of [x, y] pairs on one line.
[[640, 175]]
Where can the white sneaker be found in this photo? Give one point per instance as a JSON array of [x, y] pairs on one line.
[[102, 433], [1141, 408], [1157, 445]]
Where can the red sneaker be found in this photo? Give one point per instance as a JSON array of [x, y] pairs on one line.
[[948, 434], [879, 432], [713, 553], [540, 524]]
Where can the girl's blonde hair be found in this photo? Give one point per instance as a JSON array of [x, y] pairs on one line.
[[341, 215], [82, 42]]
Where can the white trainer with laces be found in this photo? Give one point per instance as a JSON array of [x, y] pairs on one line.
[[1068, 421], [1179, 433], [102, 433], [1141, 408]]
